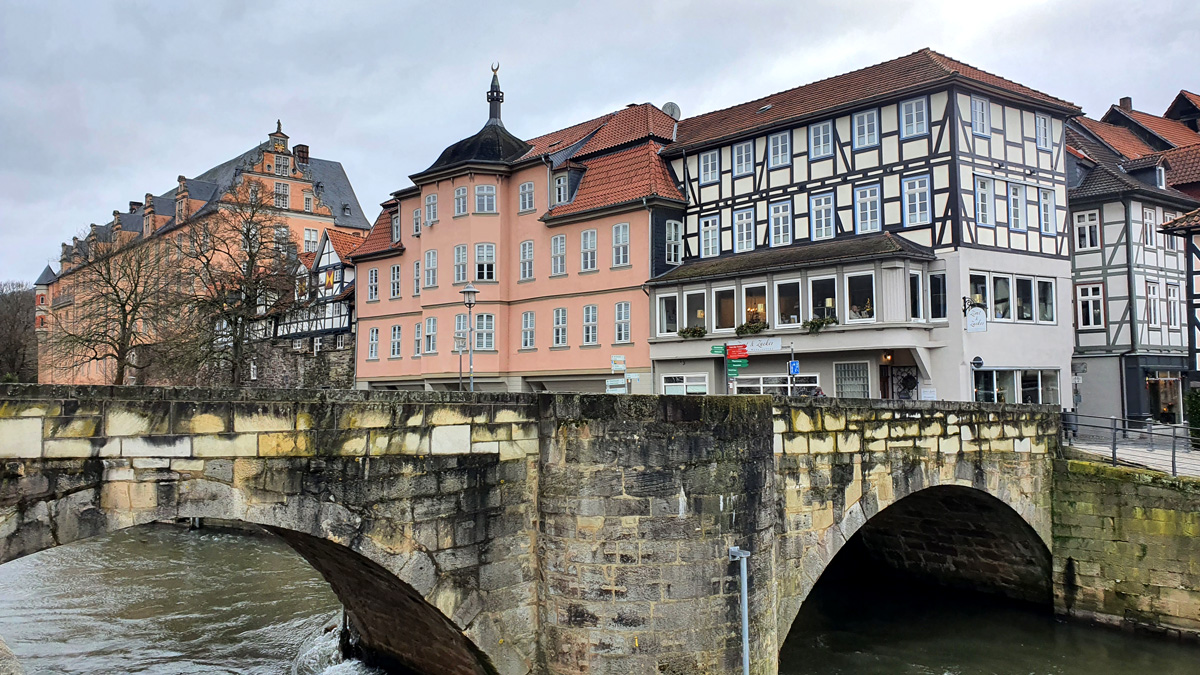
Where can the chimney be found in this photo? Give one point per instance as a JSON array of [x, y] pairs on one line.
[[301, 153], [134, 206], [1126, 103]]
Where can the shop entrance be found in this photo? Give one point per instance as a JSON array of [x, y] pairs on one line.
[[1164, 389]]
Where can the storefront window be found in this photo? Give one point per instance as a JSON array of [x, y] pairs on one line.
[[755, 301], [789, 303], [726, 312], [824, 298], [860, 291]]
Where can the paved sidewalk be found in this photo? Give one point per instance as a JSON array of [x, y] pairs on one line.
[[1138, 449]]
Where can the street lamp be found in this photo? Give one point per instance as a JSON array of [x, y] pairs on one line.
[[469, 292], [460, 343]]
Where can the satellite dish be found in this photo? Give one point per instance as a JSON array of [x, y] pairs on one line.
[[673, 110]]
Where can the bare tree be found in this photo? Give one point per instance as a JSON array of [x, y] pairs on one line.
[[18, 341], [116, 295], [240, 263]]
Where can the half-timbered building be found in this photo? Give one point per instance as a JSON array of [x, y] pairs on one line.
[[850, 224], [1130, 280]]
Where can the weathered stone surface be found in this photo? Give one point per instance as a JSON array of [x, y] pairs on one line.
[[8, 661]]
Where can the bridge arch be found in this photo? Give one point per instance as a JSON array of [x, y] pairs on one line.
[[403, 612]]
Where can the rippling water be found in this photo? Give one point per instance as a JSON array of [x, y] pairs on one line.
[[159, 599]]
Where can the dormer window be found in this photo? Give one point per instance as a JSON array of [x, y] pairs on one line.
[[1160, 177], [345, 209], [180, 209], [282, 165], [560, 190]]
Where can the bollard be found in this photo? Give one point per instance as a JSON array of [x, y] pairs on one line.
[[1150, 430], [1114, 440], [1174, 433]]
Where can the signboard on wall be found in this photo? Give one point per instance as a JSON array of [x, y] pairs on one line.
[[976, 320], [928, 393], [759, 345]]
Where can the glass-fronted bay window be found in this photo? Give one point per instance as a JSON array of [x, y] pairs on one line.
[[754, 303], [860, 297], [823, 296], [726, 310], [668, 314], [787, 302], [694, 310]]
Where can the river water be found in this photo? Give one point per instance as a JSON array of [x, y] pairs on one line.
[[166, 601]]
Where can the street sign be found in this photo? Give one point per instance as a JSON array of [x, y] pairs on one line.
[[618, 363], [615, 386], [719, 350], [739, 363], [793, 367], [731, 372], [735, 352], [633, 377]]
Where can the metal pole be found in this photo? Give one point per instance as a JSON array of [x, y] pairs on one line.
[[459, 345], [471, 345], [1114, 441], [736, 553], [1150, 428], [1174, 432]]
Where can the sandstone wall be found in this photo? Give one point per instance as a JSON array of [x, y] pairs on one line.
[[1127, 546]]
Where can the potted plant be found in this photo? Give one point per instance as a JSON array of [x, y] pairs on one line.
[[815, 324], [751, 327], [692, 332]]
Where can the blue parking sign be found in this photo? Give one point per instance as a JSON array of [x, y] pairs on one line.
[[793, 367]]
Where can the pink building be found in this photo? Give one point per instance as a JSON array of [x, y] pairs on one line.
[[557, 233]]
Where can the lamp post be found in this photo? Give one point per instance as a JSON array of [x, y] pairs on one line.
[[469, 292], [460, 343]]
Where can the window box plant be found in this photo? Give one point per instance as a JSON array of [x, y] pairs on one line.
[[816, 324], [751, 327], [692, 332]]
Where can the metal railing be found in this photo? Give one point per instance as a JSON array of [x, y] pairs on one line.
[[1173, 448]]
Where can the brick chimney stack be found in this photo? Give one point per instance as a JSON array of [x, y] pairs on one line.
[[301, 152], [134, 206], [1126, 103]]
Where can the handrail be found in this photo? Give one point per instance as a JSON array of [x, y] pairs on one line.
[[1139, 442]]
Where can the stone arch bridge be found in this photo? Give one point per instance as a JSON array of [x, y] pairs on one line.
[[539, 533]]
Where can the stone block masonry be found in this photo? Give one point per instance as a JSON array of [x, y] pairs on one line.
[[1127, 547]]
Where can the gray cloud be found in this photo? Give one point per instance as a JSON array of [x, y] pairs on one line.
[[103, 102]]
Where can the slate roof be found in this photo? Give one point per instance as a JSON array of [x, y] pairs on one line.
[[915, 71], [1117, 137], [1173, 132], [493, 144], [869, 247], [379, 239], [621, 177], [46, 278], [563, 138], [1107, 179]]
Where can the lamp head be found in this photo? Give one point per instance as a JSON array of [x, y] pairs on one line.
[[469, 292]]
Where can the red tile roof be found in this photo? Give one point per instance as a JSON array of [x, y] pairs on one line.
[[1184, 164], [919, 69], [1191, 97], [1188, 223], [634, 123], [619, 178], [1172, 131], [379, 240], [307, 259], [1117, 137], [344, 243], [563, 138]]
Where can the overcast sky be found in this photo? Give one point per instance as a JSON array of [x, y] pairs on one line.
[[101, 102]]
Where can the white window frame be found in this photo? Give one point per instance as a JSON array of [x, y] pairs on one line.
[[1016, 207], [558, 255], [674, 245], [373, 344], [985, 201], [865, 127], [1047, 212], [417, 343], [528, 330], [622, 322], [743, 158], [820, 140], [920, 277], [779, 149], [308, 203], [766, 313], [431, 335], [929, 295], [416, 221], [845, 317], [710, 167], [395, 282], [562, 192], [485, 332], [1160, 177], [460, 264], [485, 262], [559, 327], [1033, 298], [416, 278], [283, 165], [743, 230], [710, 233], [460, 201], [659, 314], [780, 321], [1041, 131], [431, 209], [1173, 306], [781, 223], [525, 197], [461, 331], [397, 342], [916, 195], [864, 221], [620, 245], [282, 195], [431, 269], [714, 306], [1149, 228], [1153, 299], [685, 380], [591, 324], [1088, 222], [311, 239], [525, 257], [587, 251], [372, 284], [918, 110], [991, 298], [485, 199], [981, 116], [395, 226], [829, 209]]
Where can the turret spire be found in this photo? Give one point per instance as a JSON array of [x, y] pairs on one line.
[[495, 97]]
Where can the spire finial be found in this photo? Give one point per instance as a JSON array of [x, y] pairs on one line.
[[278, 127], [495, 97], [495, 67]]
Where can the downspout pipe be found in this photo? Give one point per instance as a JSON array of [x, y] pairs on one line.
[[736, 553]]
